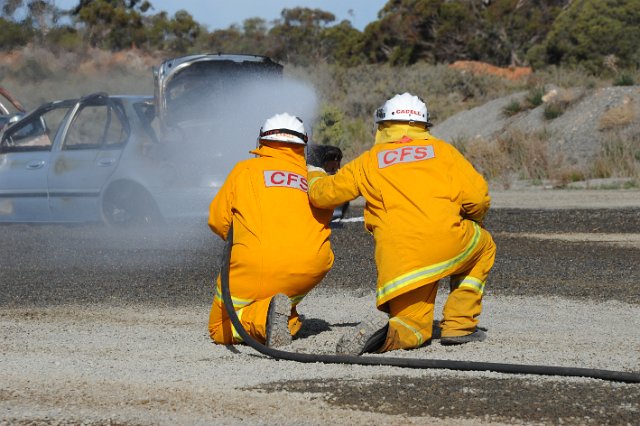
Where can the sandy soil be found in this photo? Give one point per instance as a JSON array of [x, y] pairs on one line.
[[110, 328]]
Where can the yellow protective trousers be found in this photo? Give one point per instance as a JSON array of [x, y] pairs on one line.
[[280, 242], [411, 313], [253, 318]]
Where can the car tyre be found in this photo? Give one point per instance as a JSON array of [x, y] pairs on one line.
[[129, 205]]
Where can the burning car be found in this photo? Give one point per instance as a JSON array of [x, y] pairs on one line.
[[130, 160]]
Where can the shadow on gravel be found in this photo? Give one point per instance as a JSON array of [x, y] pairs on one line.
[[312, 327], [510, 401]]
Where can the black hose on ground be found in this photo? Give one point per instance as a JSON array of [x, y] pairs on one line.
[[616, 376]]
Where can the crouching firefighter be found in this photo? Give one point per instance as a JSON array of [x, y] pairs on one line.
[[281, 246], [424, 206]]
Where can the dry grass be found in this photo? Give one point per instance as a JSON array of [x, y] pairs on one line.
[[620, 154], [520, 156], [619, 116], [36, 75], [349, 96]]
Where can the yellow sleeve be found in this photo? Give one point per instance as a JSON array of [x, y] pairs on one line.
[[221, 208], [475, 190], [328, 192]]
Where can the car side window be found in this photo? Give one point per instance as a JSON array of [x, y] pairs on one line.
[[95, 126], [87, 129], [32, 135]]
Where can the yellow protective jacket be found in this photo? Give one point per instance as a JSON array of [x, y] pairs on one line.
[[281, 242], [424, 203]]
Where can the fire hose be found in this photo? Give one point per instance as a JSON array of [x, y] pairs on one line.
[[616, 376]]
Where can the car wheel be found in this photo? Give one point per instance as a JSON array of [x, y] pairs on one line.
[[128, 205]]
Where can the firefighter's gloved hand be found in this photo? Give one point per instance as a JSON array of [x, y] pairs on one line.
[[320, 155], [315, 156]]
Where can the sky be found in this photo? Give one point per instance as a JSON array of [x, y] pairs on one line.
[[219, 14]]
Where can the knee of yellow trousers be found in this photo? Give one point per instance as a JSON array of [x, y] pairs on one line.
[[487, 257], [222, 334], [416, 304], [253, 318], [407, 333], [460, 313], [220, 327]]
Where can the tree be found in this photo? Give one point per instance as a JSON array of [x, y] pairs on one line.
[[183, 32], [512, 27], [14, 35], [595, 34], [342, 44], [435, 31], [41, 15], [112, 24], [404, 32], [296, 37]]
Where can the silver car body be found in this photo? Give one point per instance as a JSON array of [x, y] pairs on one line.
[[127, 160]]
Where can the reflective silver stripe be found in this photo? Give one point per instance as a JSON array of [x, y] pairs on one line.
[[238, 302], [426, 272], [407, 326], [472, 283]]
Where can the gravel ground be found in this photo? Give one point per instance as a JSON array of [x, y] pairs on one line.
[[103, 327]]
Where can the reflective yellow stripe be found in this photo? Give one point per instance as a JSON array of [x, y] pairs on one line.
[[238, 302], [296, 299], [472, 283], [430, 271], [413, 330], [236, 336], [311, 181]]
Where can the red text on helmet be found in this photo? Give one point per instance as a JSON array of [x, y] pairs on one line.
[[405, 154], [283, 178], [407, 111]]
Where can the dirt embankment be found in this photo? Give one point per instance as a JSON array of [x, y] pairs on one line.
[[584, 122]]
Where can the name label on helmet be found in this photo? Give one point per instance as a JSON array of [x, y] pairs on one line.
[[408, 111], [285, 179], [405, 154]]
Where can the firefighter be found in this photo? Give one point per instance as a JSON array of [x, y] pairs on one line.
[[425, 204], [281, 246]]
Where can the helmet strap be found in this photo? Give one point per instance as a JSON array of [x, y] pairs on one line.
[[302, 136]]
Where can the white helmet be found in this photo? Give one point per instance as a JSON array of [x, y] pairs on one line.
[[405, 107], [284, 128]]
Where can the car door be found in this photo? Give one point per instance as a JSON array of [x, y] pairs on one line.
[[89, 153], [25, 159]]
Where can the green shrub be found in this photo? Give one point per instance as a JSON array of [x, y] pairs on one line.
[[553, 110], [512, 108], [14, 34], [624, 80], [534, 96]]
